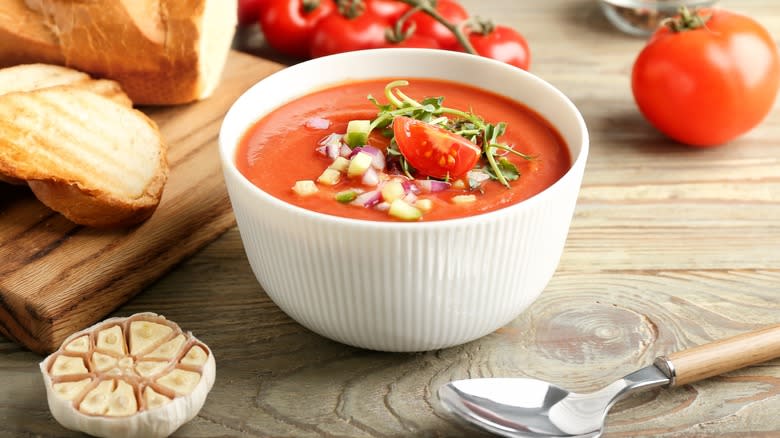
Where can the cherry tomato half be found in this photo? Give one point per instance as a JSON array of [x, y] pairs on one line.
[[426, 25], [503, 44], [708, 85], [434, 151], [337, 33], [288, 24]]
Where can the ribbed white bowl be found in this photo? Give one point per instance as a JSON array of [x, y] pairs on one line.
[[403, 286]]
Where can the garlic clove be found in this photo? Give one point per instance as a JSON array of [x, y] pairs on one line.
[[197, 356], [111, 340], [154, 399], [179, 381], [119, 378], [78, 345], [103, 362], [145, 334], [96, 400], [71, 390], [68, 365], [122, 401], [167, 350]]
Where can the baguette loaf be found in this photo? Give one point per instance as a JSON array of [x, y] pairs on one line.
[[94, 160], [160, 51]]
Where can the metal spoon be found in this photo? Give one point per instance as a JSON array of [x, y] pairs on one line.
[[530, 408]]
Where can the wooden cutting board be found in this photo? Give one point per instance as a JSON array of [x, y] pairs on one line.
[[57, 277]]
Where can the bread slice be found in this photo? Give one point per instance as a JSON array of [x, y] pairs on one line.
[[161, 51], [28, 77], [96, 161]]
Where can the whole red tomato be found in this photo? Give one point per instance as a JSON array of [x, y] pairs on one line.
[[426, 25], [708, 84], [288, 24], [391, 10], [249, 11], [339, 33], [501, 43]]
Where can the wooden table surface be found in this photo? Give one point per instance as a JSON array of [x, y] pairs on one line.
[[669, 247]]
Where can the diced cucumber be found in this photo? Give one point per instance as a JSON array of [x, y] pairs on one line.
[[340, 163], [305, 187], [346, 196], [329, 177], [463, 199], [359, 164], [392, 190], [357, 132], [401, 210], [425, 205]]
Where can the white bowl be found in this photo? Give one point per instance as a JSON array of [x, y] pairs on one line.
[[403, 286]]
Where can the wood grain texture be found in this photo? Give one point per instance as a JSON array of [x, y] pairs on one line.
[[669, 248], [57, 277]]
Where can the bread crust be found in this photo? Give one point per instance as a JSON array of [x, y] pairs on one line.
[[24, 38], [160, 51]]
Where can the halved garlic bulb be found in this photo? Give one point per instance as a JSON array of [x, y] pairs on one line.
[[139, 376]]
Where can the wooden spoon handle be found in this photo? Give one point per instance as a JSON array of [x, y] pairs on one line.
[[718, 357]]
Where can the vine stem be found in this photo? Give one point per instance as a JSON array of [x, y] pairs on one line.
[[425, 6]]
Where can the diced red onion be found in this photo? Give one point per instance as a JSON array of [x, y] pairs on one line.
[[331, 145], [383, 206], [432, 185], [317, 123], [370, 178], [410, 187], [410, 198], [378, 161], [368, 199], [345, 151]]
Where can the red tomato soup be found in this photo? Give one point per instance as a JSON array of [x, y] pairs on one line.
[[285, 147]]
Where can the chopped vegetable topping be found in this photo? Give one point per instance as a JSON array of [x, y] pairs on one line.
[[432, 149]]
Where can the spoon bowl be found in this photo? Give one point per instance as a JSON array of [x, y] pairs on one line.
[[531, 408]]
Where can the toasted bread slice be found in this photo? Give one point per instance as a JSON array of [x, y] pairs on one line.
[[106, 88], [29, 77], [96, 161]]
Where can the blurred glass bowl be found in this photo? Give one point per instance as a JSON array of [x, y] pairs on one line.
[[642, 17]]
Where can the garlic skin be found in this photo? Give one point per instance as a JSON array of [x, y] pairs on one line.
[[153, 414]]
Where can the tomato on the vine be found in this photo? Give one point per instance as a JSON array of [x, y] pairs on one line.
[[434, 151], [249, 11], [339, 33], [426, 25], [704, 84], [414, 41], [288, 24], [501, 43], [391, 10]]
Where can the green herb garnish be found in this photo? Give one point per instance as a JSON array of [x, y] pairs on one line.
[[465, 123]]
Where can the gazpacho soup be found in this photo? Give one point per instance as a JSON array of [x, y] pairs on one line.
[[398, 150]]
